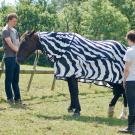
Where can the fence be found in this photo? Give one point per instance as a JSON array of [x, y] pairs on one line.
[[29, 71]]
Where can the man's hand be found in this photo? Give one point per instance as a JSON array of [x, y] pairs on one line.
[[38, 51], [11, 45]]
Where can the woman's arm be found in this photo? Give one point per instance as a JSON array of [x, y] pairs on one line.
[[126, 71]]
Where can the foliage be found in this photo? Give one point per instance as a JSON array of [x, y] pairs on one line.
[[109, 23]]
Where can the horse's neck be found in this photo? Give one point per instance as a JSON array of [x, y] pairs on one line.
[[54, 43]]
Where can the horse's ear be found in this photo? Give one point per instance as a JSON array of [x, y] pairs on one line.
[[32, 33]]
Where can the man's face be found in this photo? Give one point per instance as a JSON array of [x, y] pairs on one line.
[[13, 22]]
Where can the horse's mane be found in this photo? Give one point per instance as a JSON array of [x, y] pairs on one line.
[[24, 35]]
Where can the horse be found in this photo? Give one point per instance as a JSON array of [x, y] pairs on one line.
[[77, 58]]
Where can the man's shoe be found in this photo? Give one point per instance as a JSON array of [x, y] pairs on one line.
[[10, 101], [19, 103], [125, 131]]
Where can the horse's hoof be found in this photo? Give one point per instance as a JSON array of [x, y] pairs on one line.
[[123, 114], [111, 111], [70, 109], [122, 117], [76, 114]]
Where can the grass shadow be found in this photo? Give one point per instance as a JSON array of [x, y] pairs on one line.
[[31, 98], [99, 120], [94, 92], [52, 96], [87, 119], [23, 107], [49, 117]]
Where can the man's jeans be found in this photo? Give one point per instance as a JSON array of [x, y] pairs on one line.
[[12, 70], [130, 93]]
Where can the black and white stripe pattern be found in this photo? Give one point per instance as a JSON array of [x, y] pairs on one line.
[[88, 60]]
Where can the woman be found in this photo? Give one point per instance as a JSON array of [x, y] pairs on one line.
[[129, 81]]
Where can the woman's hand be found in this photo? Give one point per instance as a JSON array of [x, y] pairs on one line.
[[124, 83]]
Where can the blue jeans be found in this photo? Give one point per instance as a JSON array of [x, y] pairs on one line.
[[130, 93], [12, 70]]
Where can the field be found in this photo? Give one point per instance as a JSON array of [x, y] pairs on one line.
[[46, 111]]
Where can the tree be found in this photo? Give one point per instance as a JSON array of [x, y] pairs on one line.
[[107, 21], [127, 7], [36, 15], [70, 18], [4, 11]]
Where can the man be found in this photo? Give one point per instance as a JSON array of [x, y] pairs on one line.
[[10, 44]]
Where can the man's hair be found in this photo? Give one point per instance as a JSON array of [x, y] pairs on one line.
[[11, 16], [131, 35]]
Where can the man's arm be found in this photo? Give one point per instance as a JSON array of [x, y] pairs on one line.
[[10, 44], [18, 42]]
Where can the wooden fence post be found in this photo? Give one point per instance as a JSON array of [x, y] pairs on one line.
[[53, 83], [2, 66], [34, 68]]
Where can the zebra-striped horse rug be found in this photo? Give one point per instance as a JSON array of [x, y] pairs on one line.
[[87, 60]]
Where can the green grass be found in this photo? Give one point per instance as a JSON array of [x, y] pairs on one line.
[[46, 111]]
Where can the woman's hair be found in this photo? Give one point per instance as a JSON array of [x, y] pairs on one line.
[[131, 35], [11, 16]]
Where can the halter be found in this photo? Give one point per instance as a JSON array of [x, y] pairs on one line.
[[39, 46]]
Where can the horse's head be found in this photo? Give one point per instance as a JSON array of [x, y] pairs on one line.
[[28, 44]]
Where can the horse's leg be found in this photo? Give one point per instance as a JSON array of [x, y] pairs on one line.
[[124, 109], [118, 90], [117, 94], [112, 105], [73, 89]]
